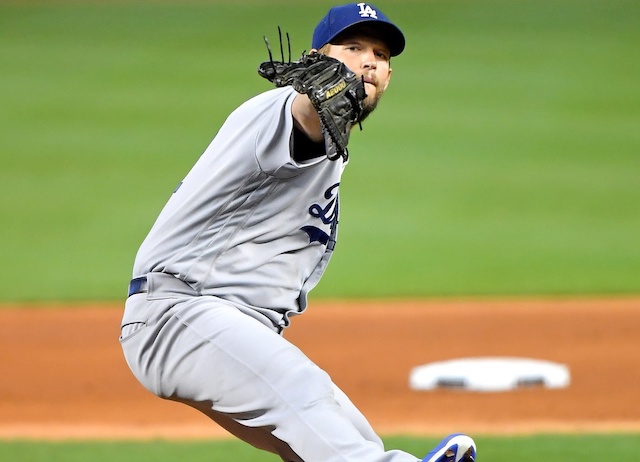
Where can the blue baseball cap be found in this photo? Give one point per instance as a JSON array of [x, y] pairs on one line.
[[341, 18]]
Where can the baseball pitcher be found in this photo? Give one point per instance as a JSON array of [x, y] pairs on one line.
[[246, 235]]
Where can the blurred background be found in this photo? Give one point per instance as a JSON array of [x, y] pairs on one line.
[[504, 159]]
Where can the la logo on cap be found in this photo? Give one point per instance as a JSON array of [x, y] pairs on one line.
[[367, 12]]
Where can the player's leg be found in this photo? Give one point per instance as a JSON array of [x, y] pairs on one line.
[[453, 448], [142, 336], [358, 420], [262, 438], [205, 351], [268, 386], [247, 378], [259, 437]]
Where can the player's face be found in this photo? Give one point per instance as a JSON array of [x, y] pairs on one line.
[[368, 57]]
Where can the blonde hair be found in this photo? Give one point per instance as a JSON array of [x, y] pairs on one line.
[[325, 49]]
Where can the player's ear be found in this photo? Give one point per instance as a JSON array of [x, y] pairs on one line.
[[388, 79]]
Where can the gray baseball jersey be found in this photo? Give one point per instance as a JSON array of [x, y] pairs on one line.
[[232, 256], [249, 224], [248, 232]]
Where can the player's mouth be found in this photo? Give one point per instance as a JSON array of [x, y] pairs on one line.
[[370, 80]]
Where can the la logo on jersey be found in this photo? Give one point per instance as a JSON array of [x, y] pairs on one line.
[[367, 12], [328, 214]]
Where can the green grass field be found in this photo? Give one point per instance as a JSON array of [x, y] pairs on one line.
[[504, 160], [539, 448]]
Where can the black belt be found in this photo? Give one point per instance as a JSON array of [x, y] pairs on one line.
[[138, 286]]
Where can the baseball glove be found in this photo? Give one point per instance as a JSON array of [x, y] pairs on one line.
[[334, 90]]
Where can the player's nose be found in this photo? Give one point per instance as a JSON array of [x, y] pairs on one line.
[[370, 64], [369, 59]]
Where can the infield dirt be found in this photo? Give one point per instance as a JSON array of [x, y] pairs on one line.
[[64, 375]]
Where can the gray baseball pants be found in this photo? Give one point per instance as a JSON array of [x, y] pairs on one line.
[[204, 352]]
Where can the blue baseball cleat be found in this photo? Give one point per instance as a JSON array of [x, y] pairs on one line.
[[454, 448]]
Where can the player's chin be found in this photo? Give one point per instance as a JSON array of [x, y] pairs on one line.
[[368, 106], [371, 102]]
